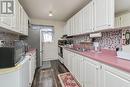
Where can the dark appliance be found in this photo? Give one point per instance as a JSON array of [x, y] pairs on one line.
[[11, 55], [60, 51], [62, 42]]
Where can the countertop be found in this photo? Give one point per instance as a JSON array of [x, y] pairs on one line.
[[108, 57], [18, 66]]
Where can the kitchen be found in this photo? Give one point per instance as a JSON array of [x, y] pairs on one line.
[[75, 43]]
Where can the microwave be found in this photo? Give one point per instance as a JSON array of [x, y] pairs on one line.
[[10, 55]]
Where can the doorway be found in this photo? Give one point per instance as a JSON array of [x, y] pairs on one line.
[[47, 43]]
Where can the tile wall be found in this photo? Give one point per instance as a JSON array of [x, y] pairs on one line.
[[8, 36], [109, 40]]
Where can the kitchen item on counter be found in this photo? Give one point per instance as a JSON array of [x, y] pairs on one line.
[[96, 46], [62, 42], [10, 56], [126, 48], [1, 43], [127, 37], [124, 52], [123, 55], [64, 36], [86, 45]]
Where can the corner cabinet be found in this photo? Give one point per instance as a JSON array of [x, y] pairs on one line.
[[104, 14]]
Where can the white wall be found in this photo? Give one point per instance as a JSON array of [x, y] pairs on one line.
[[58, 28]]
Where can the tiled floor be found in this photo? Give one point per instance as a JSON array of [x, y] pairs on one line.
[[49, 77]]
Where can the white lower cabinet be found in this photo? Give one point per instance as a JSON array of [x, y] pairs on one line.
[[32, 67], [112, 77], [90, 73]]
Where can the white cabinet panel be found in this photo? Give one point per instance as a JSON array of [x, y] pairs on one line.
[[25, 74], [17, 22], [114, 78], [118, 21], [88, 18], [6, 21], [104, 14], [82, 71], [92, 73], [122, 20]]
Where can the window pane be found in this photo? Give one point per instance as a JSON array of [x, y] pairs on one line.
[[47, 35]]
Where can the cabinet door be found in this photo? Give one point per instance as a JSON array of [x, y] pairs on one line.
[[92, 74], [25, 74], [16, 22], [104, 14], [81, 71], [118, 21], [114, 78], [88, 18], [6, 21], [76, 23], [125, 21], [80, 30]]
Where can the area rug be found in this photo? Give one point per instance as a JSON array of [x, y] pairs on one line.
[[67, 80]]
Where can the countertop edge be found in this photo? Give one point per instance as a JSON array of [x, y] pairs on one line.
[[112, 65]]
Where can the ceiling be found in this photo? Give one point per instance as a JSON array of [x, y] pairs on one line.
[[61, 9]]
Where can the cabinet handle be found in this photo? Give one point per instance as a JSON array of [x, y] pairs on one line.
[[100, 67]]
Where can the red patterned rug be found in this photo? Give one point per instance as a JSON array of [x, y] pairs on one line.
[[67, 80]]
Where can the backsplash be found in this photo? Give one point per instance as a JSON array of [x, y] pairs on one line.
[[109, 40], [8, 36]]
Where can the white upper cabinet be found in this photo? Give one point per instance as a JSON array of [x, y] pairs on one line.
[[16, 22], [88, 18], [122, 20], [16, 17], [95, 16], [104, 14], [6, 21]]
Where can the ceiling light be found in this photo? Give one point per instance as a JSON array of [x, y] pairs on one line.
[[50, 14]]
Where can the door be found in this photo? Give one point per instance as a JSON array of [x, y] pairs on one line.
[[104, 14], [88, 18], [82, 69], [91, 74], [47, 44], [113, 78], [125, 21]]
